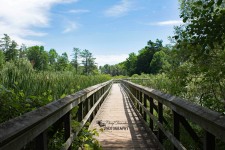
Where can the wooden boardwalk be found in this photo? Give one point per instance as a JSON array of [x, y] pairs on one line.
[[123, 129]]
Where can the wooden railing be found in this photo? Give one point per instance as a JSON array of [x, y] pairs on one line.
[[152, 104], [33, 126]]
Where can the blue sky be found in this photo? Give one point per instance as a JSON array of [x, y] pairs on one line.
[[110, 29]]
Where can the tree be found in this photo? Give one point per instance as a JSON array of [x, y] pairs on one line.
[[88, 61], [159, 62], [38, 57], [62, 62], [22, 51], [131, 64], [2, 59], [11, 53], [5, 43], [205, 23], [9, 48], [145, 56], [76, 53], [105, 69]]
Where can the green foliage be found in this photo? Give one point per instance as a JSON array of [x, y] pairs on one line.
[[114, 70], [86, 140], [2, 59], [206, 24], [88, 62], [38, 57], [131, 63], [159, 62], [37, 88], [76, 53]]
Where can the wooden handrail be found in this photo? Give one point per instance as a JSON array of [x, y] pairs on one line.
[[212, 122], [16, 133]]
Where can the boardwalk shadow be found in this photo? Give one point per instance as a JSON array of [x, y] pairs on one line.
[[119, 108], [140, 136]]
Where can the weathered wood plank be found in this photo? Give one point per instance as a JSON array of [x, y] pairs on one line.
[[122, 127]]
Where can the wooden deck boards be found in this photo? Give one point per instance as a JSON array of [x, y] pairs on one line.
[[122, 127]]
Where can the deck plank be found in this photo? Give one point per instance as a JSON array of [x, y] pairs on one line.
[[122, 127]]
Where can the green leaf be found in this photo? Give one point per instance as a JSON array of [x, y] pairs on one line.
[[199, 3], [210, 3], [219, 2], [176, 37], [185, 19]]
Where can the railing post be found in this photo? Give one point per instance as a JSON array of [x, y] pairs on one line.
[[141, 100], [145, 104], [67, 127], [151, 111], [80, 112], [176, 127], [92, 104], [209, 143], [88, 106], [160, 119], [41, 141]]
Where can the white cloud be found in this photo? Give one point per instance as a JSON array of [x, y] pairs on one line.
[[119, 9], [71, 26], [77, 11], [110, 59], [167, 23], [19, 17]]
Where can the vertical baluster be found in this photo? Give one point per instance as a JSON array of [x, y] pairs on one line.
[[209, 143], [160, 118], [176, 127], [92, 104], [151, 111], [141, 100], [67, 127], [145, 104], [80, 112], [41, 141]]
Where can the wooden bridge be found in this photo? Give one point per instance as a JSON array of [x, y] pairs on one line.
[[131, 117]]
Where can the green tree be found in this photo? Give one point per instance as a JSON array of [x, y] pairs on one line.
[[131, 64], [76, 53], [105, 69], [9, 48], [22, 51], [38, 57], [11, 53], [62, 62], [2, 59], [5, 43], [145, 56], [159, 62], [88, 61]]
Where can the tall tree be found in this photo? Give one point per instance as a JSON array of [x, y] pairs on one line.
[[62, 62], [88, 61], [2, 59], [145, 56], [22, 51], [131, 63], [11, 53], [38, 57], [76, 53], [9, 48], [5, 43]]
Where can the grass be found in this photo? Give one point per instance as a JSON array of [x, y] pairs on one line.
[[23, 89]]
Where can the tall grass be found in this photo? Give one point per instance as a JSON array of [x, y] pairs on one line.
[[23, 89]]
